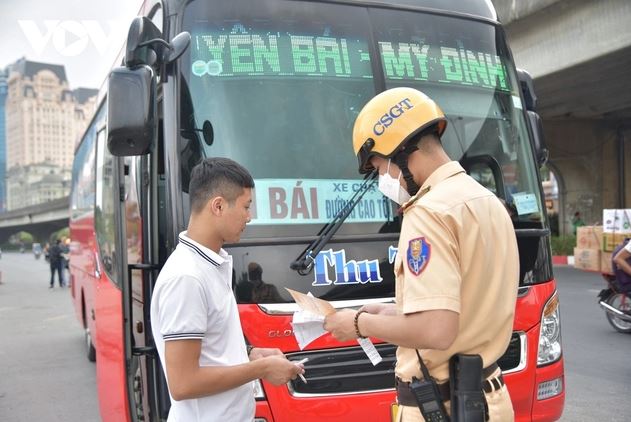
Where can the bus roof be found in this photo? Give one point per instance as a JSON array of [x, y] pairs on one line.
[[483, 9]]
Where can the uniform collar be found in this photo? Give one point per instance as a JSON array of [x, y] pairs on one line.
[[204, 252], [441, 173]]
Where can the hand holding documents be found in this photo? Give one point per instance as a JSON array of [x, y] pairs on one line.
[[307, 327], [308, 323]]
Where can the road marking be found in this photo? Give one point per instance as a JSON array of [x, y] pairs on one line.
[[55, 318]]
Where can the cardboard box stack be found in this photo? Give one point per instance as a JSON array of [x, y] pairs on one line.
[[595, 244], [587, 253]]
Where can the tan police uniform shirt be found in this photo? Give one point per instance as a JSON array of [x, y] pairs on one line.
[[457, 251]]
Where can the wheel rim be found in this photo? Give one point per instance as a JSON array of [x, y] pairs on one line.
[[622, 303]]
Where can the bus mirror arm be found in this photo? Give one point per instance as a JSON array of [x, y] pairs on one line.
[[303, 264], [145, 45]]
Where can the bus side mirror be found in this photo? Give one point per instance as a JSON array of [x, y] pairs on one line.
[[530, 98], [131, 111], [541, 152]]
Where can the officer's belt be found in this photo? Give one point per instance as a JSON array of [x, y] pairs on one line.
[[405, 397]]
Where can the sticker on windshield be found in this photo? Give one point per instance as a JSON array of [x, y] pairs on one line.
[[199, 68], [526, 203], [516, 102], [332, 267], [315, 201]]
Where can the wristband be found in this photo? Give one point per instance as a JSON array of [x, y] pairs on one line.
[[359, 335]]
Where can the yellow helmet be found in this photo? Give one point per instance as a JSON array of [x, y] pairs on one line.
[[389, 120]]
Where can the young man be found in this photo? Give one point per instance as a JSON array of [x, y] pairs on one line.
[[457, 265], [194, 315]]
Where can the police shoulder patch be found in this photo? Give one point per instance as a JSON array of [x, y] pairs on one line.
[[418, 255]]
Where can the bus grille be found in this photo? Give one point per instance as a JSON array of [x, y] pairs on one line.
[[348, 370], [511, 359], [344, 371]]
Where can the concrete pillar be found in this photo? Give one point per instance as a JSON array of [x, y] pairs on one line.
[[585, 154]]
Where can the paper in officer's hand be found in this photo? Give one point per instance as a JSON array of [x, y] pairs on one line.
[[312, 304], [307, 327], [308, 322]]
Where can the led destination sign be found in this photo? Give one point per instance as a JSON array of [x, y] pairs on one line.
[[276, 54], [240, 53]]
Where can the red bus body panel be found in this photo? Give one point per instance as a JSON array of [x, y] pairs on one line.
[[98, 304], [275, 331]]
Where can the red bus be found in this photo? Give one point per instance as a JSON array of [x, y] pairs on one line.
[[276, 85]]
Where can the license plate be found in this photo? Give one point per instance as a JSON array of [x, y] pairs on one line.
[[394, 412]]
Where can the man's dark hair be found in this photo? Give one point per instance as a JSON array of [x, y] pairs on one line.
[[217, 177]]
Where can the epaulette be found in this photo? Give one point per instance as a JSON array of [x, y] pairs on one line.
[[415, 198]]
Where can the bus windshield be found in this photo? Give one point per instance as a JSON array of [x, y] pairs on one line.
[[282, 83]]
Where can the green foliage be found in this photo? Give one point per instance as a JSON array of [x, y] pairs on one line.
[[563, 245], [21, 237], [60, 234]]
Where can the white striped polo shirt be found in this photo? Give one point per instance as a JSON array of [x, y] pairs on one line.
[[193, 299]]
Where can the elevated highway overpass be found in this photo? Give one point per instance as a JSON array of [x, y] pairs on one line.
[[40, 220]]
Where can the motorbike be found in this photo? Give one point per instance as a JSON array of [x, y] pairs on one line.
[[616, 302]]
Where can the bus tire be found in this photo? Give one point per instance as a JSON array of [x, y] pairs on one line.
[[90, 350]]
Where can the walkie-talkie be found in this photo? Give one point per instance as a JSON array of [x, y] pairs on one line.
[[428, 397], [429, 400]]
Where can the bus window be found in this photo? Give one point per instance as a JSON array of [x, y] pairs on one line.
[[282, 87], [462, 65], [105, 202]]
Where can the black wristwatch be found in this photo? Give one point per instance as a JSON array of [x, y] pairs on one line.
[[249, 349]]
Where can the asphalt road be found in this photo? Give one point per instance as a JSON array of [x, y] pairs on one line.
[[44, 375], [597, 358]]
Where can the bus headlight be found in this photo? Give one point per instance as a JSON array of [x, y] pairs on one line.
[[259, 394], [550, 334]]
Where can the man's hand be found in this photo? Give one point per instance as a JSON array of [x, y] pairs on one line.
[[279, 370], [341, 324], [380, 308], [261, 352]]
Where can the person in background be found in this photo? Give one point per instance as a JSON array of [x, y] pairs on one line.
[[622, 259], [55, 259], [577, 222]]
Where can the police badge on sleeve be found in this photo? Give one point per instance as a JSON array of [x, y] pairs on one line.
[[418, 254]]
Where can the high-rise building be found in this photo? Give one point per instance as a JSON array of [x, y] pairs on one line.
[[36, 184], [3, 139], [44, 120]]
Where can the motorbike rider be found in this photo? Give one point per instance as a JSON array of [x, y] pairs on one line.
[[623, 258]]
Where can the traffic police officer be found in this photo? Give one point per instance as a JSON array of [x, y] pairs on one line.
[[457, 265]]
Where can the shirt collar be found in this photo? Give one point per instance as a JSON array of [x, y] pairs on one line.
[[209, 255], [441, 173]]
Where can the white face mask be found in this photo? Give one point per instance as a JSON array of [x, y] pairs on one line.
[[392, 188]]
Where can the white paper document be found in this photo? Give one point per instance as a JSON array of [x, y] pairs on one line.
[[307, 327], [308, 323]]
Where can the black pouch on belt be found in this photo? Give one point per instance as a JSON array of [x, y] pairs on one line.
[[467, 398]]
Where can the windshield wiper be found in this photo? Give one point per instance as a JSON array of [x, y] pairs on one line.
[[304, 262]]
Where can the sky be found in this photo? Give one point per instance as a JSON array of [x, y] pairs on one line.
[[85, 36]]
